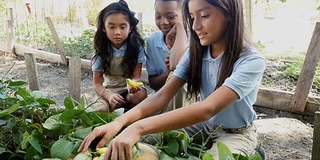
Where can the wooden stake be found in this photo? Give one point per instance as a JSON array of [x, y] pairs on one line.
[[316, 137], [32, 74], [75, 78], [248, 18], [57, 40], [140, 28], [306, 77], [10, 31]]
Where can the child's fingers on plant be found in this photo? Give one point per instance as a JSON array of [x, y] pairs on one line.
[[128, 152], [108, 153], [86, 142], [104, 140]]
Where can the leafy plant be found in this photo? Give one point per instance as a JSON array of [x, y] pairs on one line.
[[21, 116], [73, 124], [177, 145], [31, 128], [293, 70]]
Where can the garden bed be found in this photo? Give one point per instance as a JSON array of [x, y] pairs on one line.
[[284, 135]]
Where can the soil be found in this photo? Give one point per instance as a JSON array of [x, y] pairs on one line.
[[284, 135]]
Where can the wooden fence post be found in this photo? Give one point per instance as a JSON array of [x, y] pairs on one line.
[[57, 40], [10, 31], [248, 18], [32, 73], [316, 137], [140, 27], [299, 99], [75, 78]]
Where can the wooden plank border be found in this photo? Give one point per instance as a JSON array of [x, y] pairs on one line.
[[281, 100]]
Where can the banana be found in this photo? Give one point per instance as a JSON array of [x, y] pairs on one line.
[[134, 83], [102, 150], [95, 158]]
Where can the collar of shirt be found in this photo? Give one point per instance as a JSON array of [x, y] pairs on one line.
[[160, 43], [207, 56], [119, 52]]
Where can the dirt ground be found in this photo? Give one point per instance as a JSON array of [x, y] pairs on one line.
[[283, 135]]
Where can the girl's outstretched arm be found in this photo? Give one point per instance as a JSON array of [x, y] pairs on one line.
[[147, 107], [136, 76], [197, 112]]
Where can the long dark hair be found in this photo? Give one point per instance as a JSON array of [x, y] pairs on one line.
[[103, 46], [233, 10]]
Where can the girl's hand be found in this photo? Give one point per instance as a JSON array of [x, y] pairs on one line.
[[171, 36], [177, 48], [120, 147], [133, 90], [167, 61], [107, 132], [116, 101]]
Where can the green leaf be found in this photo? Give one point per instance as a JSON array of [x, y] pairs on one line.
[[318, 8], [82, 133], [255, 156], [3, 149], [107, 117], [83, 156], [68, 103], [80, 106], [35, 144], [165, 156], [85, 119], [179, 158], [224, 152], [69, 114], [172, 148], [239, 157], [15, 84], [23, 92], [3, 96], [13, 108], [193, 158], [82, 103], [9, 110], [207, 156], [52, 122], [11, 123], [25, 141], [2, 122], [76, 147], [61, 149], [38, 94], [46, 101]]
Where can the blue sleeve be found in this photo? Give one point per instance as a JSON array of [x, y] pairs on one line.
[[96, 65], [182, 68], [246, 75], [150, 66], [141, 55]]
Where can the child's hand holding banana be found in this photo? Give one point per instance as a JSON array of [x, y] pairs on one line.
[[133, 86]]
